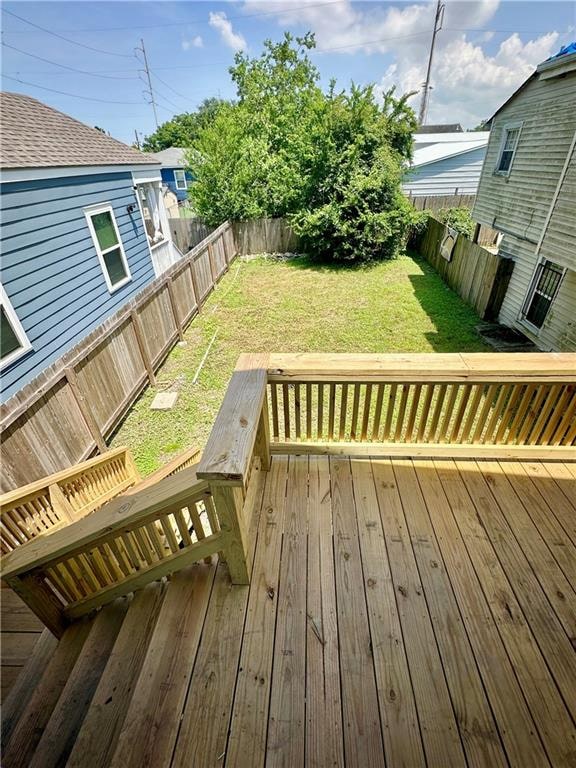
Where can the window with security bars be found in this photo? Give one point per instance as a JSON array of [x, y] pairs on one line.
[[544, 288], [509, 144]]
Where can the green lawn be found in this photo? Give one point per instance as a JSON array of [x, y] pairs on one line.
[[294, 306]]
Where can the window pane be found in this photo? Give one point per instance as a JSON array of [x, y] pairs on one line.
[[511, 137], [115, 266], [8, 340], [104, 228]]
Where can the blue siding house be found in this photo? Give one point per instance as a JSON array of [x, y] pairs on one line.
[[175, 175], [446, 164], [83, 230]]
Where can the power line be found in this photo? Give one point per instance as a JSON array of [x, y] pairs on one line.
[[166, 85], [203, 20], [70, 69], [66, 39], [73, 95]]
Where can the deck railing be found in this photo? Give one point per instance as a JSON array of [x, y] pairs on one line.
[[61, 498], [501, 406], [467, 405]]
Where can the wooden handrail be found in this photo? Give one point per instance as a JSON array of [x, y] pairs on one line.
[[399, 368]]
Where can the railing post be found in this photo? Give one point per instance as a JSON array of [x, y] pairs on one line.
[[229, 502], [41, 600]]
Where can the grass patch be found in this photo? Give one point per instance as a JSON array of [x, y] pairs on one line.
[[294, 306]]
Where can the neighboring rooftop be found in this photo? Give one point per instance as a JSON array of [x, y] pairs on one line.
[[441, 128], [429, 148], [34, 135], [173, 157]]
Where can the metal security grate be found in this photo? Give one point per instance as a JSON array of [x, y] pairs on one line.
[[546, 283]]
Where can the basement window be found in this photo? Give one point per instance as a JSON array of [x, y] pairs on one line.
[[106, 238], [542, 293], [13, 339], [508, 145]]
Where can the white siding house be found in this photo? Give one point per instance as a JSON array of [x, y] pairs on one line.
[[446, 164], [528, 193]]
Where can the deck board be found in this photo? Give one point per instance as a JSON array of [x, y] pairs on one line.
[[401, 612]]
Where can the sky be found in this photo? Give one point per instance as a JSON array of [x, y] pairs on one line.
[[83, 58]]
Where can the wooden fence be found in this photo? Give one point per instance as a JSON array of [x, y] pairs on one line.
[[436, 202], [265, 236], [188, 233], [66, 413], [478, 276]]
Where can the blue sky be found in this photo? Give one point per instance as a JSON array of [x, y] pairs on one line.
[[485, 50]]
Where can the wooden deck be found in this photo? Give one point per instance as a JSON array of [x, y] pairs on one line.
[[400, 613]]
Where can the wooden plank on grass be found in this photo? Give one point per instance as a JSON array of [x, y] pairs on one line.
[[440, 735], [362, 732], [324, 737], [285, 744], [99, 733], [398, 716], [149, 732], [247, 741]]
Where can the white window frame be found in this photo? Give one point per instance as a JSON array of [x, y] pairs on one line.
[[107, 208], [517, 125], [532, 290], [183, 180], [25, 345]]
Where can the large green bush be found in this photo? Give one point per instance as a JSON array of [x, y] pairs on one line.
[[330, 162], [459, 218]]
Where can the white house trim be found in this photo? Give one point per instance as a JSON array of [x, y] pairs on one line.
[[25, 345], [37, 174], [90, 211]]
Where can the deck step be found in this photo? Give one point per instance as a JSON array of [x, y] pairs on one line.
[[27, 732], [25, 684], [67, 717], [99, 733]]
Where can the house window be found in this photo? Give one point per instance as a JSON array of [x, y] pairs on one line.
[[180, 179], [542, 292], [510, 136], [106, 238], [150, 203], [13, 339]]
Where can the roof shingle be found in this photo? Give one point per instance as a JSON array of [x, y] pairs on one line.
[[34, 135]]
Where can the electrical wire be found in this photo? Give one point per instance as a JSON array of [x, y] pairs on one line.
[[166, 85], [66, 39], [70, 69], [73, 95]]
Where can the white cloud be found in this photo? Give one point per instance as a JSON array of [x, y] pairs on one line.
[[232, 39], [194, 42], [468, 82]]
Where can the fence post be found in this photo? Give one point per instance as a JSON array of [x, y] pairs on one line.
[[174, 308], [84, 407], [229, 502], [139, 333]]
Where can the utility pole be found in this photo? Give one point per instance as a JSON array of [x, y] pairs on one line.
[[137, 138], [438, 19], [147, 71]]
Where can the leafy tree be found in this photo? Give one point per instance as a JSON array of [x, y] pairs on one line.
[[330, 162], [459, 218], [182, 130]]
